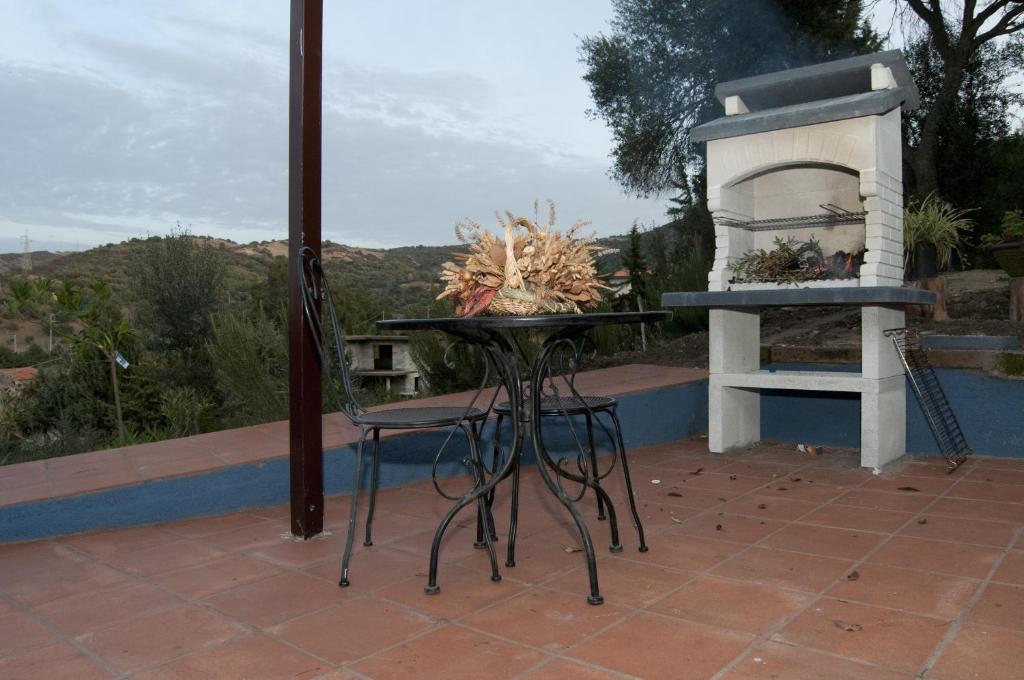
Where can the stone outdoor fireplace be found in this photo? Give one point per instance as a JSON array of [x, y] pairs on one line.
[[811, 154]]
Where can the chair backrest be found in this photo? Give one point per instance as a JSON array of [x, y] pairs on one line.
[[330, 345]]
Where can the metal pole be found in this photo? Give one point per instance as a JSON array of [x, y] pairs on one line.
[[304, 171]]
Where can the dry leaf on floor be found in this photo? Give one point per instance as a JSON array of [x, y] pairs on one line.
[[922, 521], [697, 471], [907, 488], [571, 549], [852, 576], [848, 627], [675, 494]]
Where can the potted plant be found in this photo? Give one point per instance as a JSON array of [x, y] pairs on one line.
[[1008, 248], [1008, 245], [932, 231]]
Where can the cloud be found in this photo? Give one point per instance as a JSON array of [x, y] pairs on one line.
[[152, 134]]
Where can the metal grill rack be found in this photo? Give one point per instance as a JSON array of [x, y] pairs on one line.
[[832, 216], [931, 397]]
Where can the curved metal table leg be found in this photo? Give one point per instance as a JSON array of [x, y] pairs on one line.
[[374, 481], [544, 460]]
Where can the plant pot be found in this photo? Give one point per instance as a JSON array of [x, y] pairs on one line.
[[1010, 257], [923, 263]]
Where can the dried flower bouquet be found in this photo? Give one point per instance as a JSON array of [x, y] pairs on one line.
[[533, 270]]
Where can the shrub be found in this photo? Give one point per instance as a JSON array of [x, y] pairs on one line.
[[934, 220]]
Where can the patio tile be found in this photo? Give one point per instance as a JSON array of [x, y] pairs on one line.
[[739, 606], [981, 653], [249, 537], [979, 509], [253, 657], [933, 486], [881, 636], [989, 491], [847, 544], [546, 618], [987, 474], [904, 501], [1000, 605], [765, 507], [539, 557], [164, 557], [949, 558], [276, 599], [204, 526], [622, 582], [297, 553], [941, 527], [861, 519], [95, 609], [54, 662], [353, 629], [560, 669], [59, 578], [803, 490], [110, 542], [654, 647], [682, 551], [784, 569], [774, 661], [452, 652], [213, 577], [159, 637], [25, 493], [724, 527], [938, 595], [19, 631], [375, 568], [1012, 568], [762, 469], [456, 545], [462, 591]]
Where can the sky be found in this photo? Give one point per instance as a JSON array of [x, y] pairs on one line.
[[124, 118]]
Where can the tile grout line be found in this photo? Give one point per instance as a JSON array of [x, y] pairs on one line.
[[959, 621], [767, 637]]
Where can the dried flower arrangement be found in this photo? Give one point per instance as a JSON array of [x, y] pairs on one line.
[[534, 270], [793, 261]]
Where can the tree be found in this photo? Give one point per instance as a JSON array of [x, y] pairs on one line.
[[179, 283], [973, 139], [957, 31], [635, 263], [652, 78]]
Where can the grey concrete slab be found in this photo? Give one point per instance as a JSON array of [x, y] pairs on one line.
[[790, 297]]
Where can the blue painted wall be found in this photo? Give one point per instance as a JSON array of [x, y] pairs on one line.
[[990, 411], [647, 418]]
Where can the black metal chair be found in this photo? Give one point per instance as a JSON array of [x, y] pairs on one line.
[[331, 351], [556, 405]]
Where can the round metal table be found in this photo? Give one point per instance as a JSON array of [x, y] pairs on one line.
[[493, 335]]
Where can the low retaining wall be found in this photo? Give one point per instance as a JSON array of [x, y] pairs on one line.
[[990, 412], [650, 417]]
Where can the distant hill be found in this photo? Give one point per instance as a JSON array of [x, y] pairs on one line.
[[397, 277]]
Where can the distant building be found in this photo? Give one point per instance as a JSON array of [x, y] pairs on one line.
[[13, 379], [385, 357]]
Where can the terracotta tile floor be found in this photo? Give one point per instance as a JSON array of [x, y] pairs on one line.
[[765, 564]]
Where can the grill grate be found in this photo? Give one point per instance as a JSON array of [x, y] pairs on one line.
[[930, 396], [832, 216]]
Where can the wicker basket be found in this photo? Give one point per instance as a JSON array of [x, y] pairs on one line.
[[514, 298]]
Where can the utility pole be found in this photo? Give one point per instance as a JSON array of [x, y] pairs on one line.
[[26, 254]]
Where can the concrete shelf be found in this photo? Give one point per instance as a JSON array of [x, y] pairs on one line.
[[825, 381]]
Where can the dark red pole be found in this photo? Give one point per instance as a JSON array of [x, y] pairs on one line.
[[304, 388]]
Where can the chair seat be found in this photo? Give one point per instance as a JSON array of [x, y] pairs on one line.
[[419, 416], [573, 405]]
